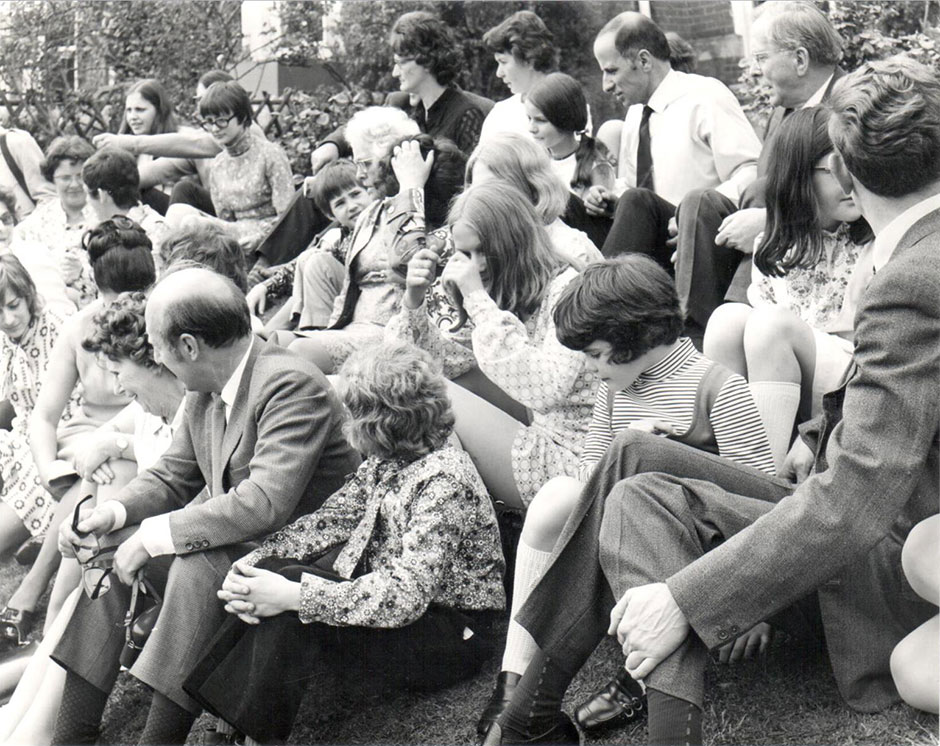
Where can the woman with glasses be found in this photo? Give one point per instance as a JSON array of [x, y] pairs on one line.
[[415, 180], [139, 433], [811, 266], [76, 397], [427, 60], [60, 223], [250, 181]]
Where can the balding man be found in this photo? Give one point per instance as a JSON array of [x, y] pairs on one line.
[[261, 443], [797, 51], [681, 132]]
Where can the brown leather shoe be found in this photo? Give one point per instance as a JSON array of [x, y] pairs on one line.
[[618, 703], [563, 731], [499, 700]]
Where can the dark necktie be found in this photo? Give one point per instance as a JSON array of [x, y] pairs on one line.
[[644, 155]]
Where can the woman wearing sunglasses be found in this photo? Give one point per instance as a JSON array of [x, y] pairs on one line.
[[140, 433], [250, 181], [76, 397]]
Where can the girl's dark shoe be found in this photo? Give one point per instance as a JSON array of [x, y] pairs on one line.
[[505, 685], [562, 731], [16, 624]]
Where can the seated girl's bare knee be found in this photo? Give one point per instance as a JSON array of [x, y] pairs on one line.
[[549, 511]]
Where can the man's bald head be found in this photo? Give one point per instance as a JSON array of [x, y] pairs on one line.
[[634, 31], [201, 303]]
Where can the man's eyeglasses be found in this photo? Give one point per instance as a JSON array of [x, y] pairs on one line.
[[401, 61], [96, 562], [219, 123]]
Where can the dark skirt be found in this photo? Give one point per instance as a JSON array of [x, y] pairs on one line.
[[255, 676]]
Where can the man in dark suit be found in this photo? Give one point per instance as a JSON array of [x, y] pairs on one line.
[[694, 564], [261, 443], [797, 51]]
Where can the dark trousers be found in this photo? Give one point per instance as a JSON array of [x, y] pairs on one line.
[[254, 677], [155, 199], [293, 231], [641, 225], [190, 192], [595, 226], [569, 630], [707, 275]]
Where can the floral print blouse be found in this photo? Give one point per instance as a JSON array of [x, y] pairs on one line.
[[826, 295], [418, 532], [250, 181]]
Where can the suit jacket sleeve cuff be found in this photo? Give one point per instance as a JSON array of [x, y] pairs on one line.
[[155, 535]]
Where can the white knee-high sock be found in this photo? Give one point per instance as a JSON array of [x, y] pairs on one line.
[[520, 647], [778, 403]]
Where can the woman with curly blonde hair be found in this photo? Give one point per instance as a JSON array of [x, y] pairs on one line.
[[412, 592]]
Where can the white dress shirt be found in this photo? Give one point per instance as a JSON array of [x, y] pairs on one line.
[[887, 241], [699, 138]]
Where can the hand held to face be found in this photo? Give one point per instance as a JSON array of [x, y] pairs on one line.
[[463, 274], [410, 168]]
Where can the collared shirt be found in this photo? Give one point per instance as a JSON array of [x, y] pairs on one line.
[[155, 531], [887, 241], [817, 97], [668, 390], [699, 137], [455, 116]]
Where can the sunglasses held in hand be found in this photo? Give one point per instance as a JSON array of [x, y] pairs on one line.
[[97, 563]]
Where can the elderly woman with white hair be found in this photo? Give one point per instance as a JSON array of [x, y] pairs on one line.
[[413, 178]]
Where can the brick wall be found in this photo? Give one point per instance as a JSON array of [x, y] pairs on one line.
[[708, 26]]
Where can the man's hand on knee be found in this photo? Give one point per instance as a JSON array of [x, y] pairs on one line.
[[649, 625], [740, 229]]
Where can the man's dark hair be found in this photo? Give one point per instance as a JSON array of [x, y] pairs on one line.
[[526, 37], [226, 98], [633, 32], [886, 125], [218, 319], [426, 38], [629, 302], [115, 171]]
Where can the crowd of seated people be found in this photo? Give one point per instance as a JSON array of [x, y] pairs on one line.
[[493, 368]]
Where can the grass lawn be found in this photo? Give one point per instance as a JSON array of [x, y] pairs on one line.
[[788, 697]]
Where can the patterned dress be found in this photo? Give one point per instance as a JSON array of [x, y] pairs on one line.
[[48, 225], [23, 365], [421, 532], [251, 184], [526, 360]]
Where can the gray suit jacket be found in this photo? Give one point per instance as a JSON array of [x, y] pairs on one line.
[[282, 454], [842, 530]]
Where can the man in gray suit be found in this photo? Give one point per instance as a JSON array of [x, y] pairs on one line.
[[261, 443], [696, 561]]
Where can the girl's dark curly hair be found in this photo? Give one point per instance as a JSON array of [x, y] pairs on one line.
[[120, 333], [397, 400], [425, 38]]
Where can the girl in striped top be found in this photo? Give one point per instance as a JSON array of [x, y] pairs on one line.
[[624, 315]]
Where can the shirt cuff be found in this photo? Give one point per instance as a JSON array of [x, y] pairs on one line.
[[155, 535], [477, 302], [119, 512]]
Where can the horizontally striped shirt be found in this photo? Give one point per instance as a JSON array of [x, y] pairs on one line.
[[667, 391]]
